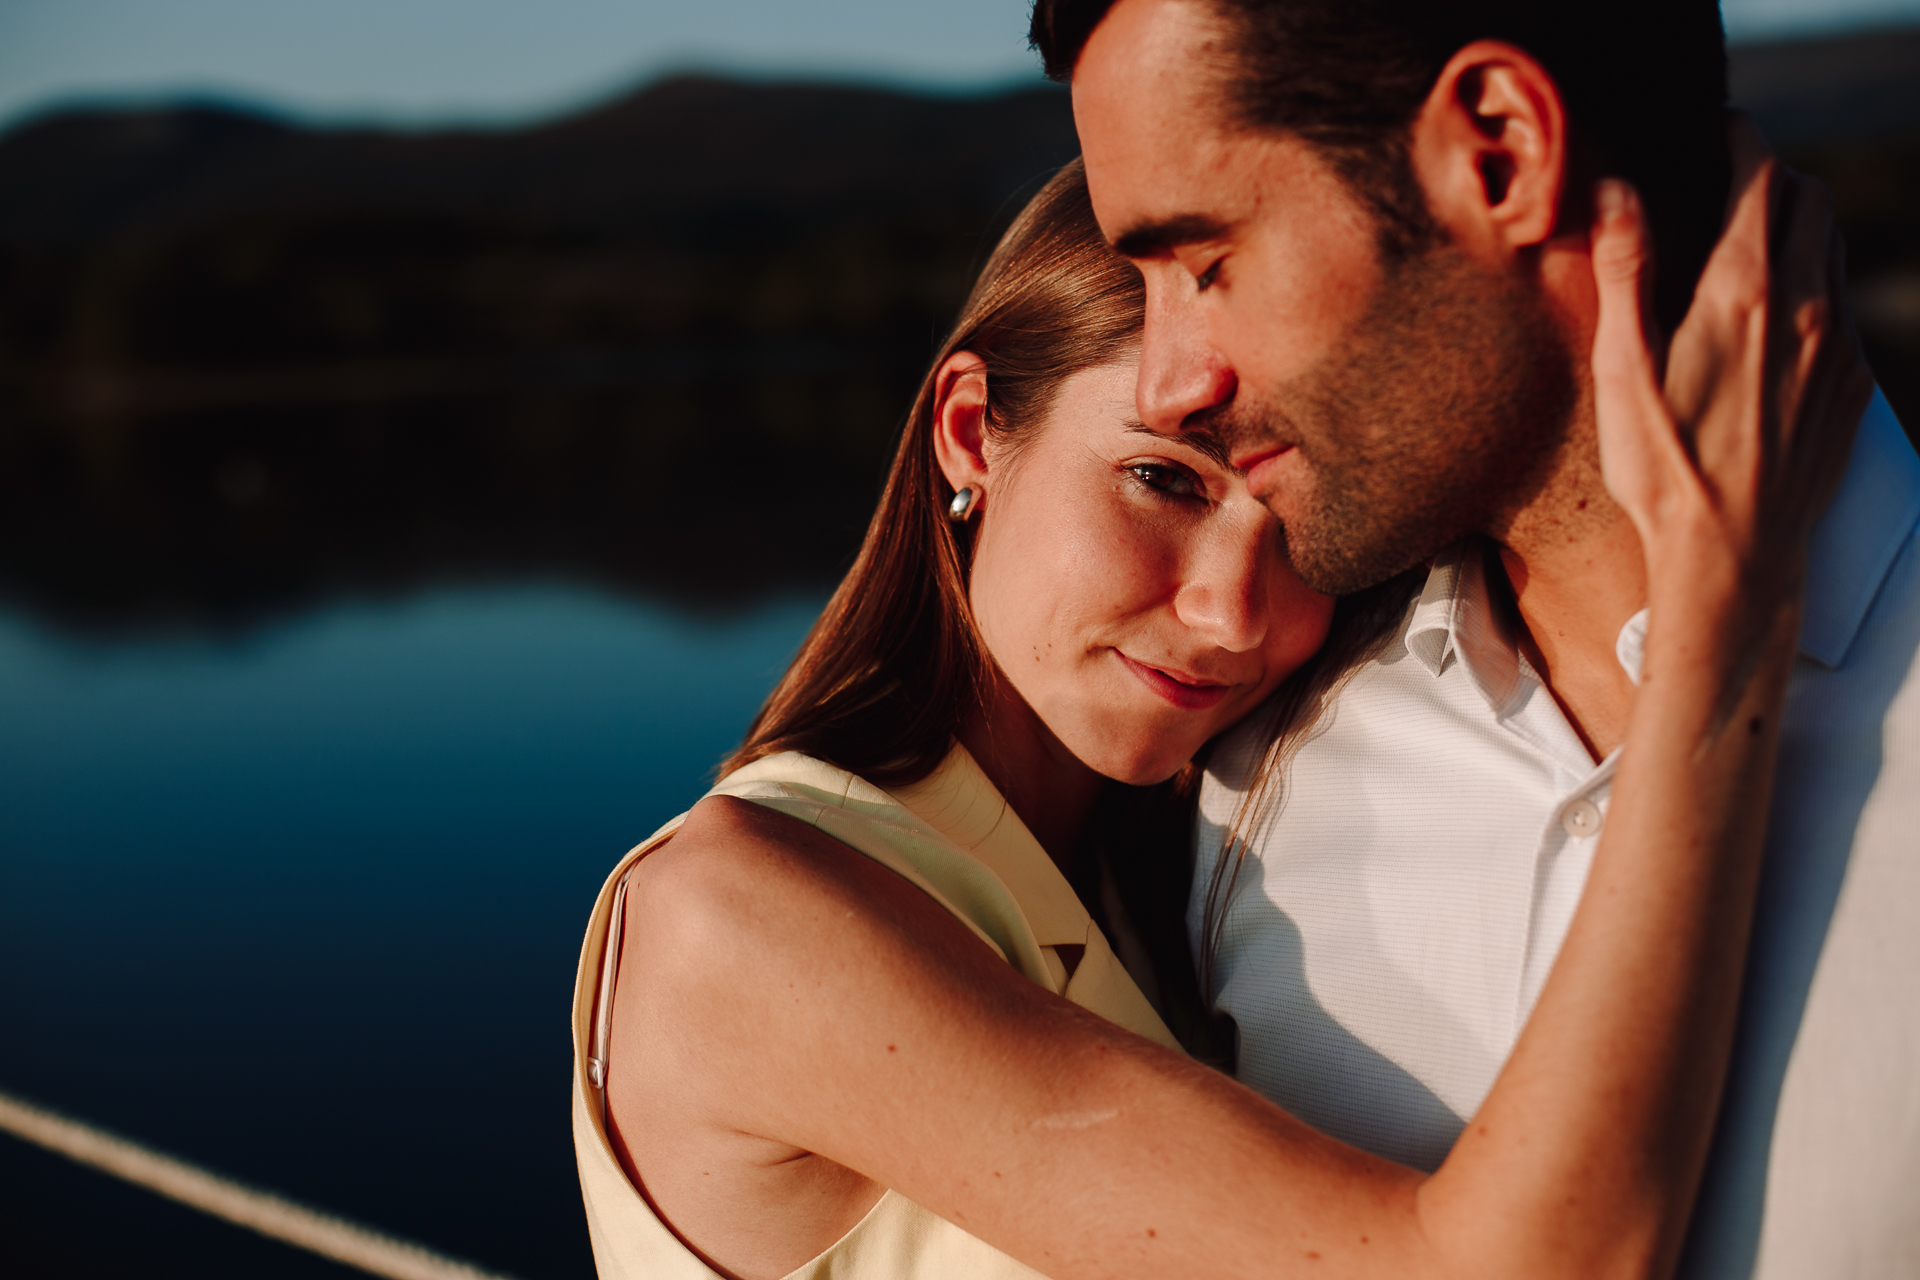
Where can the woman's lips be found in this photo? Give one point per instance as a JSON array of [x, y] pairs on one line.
[[1190, 693]]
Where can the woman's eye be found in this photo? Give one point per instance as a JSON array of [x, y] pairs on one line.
[[1173, 481], [1204, 281]]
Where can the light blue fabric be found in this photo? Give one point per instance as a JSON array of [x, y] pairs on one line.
[[1861, 633], [1869, 523]]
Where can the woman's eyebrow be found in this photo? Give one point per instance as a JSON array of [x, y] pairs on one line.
[[1203, 440], [1150, 239]]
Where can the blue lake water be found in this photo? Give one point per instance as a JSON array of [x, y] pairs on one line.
[[305, 907]]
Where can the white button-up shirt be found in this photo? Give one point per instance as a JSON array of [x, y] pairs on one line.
[[1398, 912]]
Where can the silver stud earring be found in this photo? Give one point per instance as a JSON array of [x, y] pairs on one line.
[[962, 506]]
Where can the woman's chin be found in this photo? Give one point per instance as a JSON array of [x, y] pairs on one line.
[[1144, 767], [1147, 777], [1118, 738]]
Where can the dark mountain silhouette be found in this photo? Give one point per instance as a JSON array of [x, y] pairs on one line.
[[676, 151], [663, 344]]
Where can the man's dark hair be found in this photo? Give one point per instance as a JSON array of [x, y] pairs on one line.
[[1644, 82]]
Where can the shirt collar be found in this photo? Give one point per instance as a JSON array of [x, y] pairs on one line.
[[1454, 620], [1853, 546]]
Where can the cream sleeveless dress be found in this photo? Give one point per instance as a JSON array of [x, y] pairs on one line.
[[953, 836]]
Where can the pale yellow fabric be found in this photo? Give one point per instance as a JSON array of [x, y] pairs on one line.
[[956, 838]]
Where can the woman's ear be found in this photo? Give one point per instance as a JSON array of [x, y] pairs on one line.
[[960, 422]]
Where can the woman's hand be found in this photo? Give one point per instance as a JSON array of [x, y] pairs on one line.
[[1725, 458], [1723, 449]]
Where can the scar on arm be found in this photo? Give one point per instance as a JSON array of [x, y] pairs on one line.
[[1075, 1119]]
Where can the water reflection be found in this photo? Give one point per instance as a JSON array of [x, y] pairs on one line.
[[305, 908]]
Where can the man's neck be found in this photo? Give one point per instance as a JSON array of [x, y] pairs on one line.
[[1578, 574]]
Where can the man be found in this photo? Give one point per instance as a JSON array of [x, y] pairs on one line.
[[1362, 225]]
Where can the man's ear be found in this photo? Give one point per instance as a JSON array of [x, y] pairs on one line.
[[960, 421], [1490, 148]]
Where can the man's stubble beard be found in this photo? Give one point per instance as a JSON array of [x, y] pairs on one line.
[[1442, 412]]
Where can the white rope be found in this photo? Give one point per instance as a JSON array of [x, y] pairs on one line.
[[245, 1206]]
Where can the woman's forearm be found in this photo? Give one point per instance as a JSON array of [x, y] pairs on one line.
[[1590, 1147], [1592, 1142]]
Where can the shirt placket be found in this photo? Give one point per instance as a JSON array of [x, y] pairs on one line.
[[1580, 790]]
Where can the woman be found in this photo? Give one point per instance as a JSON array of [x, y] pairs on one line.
[[848, 1017]]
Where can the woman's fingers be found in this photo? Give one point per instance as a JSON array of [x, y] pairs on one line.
[[1820, 380], [1726, 457], [1715, 380], [1842, 384], [1765, 378], [1637, 438], [1805, 214]]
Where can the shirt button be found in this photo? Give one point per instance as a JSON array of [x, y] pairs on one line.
[[1582, 819]]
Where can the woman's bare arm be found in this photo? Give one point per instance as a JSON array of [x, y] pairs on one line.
[[781, 987], [826, 1002], [1617, 1046]]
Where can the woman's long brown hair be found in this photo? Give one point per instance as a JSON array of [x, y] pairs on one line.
[[882, 683], [893, 666]]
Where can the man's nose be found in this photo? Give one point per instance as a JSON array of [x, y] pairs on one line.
[[1180, 372]]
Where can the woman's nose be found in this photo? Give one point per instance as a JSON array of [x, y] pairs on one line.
[[1180, 372], [1223, 597]]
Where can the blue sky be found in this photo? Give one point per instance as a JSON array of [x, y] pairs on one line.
[[428, 62]]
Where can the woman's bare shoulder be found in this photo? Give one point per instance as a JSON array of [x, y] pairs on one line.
[[752, 937], [723, 923], [742, 885], [732, 855]]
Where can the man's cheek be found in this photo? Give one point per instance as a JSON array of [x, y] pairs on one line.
[[1269, 338]]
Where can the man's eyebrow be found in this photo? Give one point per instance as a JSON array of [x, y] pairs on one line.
[[1202, 440], [1150, 238]]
